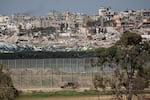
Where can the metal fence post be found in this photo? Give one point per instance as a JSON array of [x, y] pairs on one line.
[[1, 61], [52, 73]]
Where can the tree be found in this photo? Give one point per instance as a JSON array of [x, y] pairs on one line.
[[7, 90], [99, 82], [127, 58]]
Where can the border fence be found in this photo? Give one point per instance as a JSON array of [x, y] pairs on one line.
[[50, 73]]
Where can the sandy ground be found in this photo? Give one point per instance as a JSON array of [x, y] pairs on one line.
[[105, 97], [72, 98]]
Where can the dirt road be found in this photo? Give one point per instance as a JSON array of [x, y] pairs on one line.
[[71, 98]]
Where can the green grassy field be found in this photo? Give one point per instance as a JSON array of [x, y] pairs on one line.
[[62, 94], [68, 93]]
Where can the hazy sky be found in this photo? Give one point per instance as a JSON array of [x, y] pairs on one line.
[[42, 7]]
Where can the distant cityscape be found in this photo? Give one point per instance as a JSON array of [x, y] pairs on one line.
[[68, 31]]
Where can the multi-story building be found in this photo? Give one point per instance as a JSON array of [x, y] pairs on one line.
[[146, 13], [107, 12], [4, 19], [19, 17]]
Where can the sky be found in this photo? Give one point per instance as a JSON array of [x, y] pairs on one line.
[[42, 7]]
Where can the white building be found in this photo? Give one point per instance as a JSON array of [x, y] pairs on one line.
[[36, 23], [12, 27], [4, 19], [28, 26], [106, 12]]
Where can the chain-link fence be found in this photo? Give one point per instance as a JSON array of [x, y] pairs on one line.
[[50, 73]]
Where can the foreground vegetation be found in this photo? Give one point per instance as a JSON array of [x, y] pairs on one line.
[[129, 58], [62, 94], [68, 93], [7, 90]]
